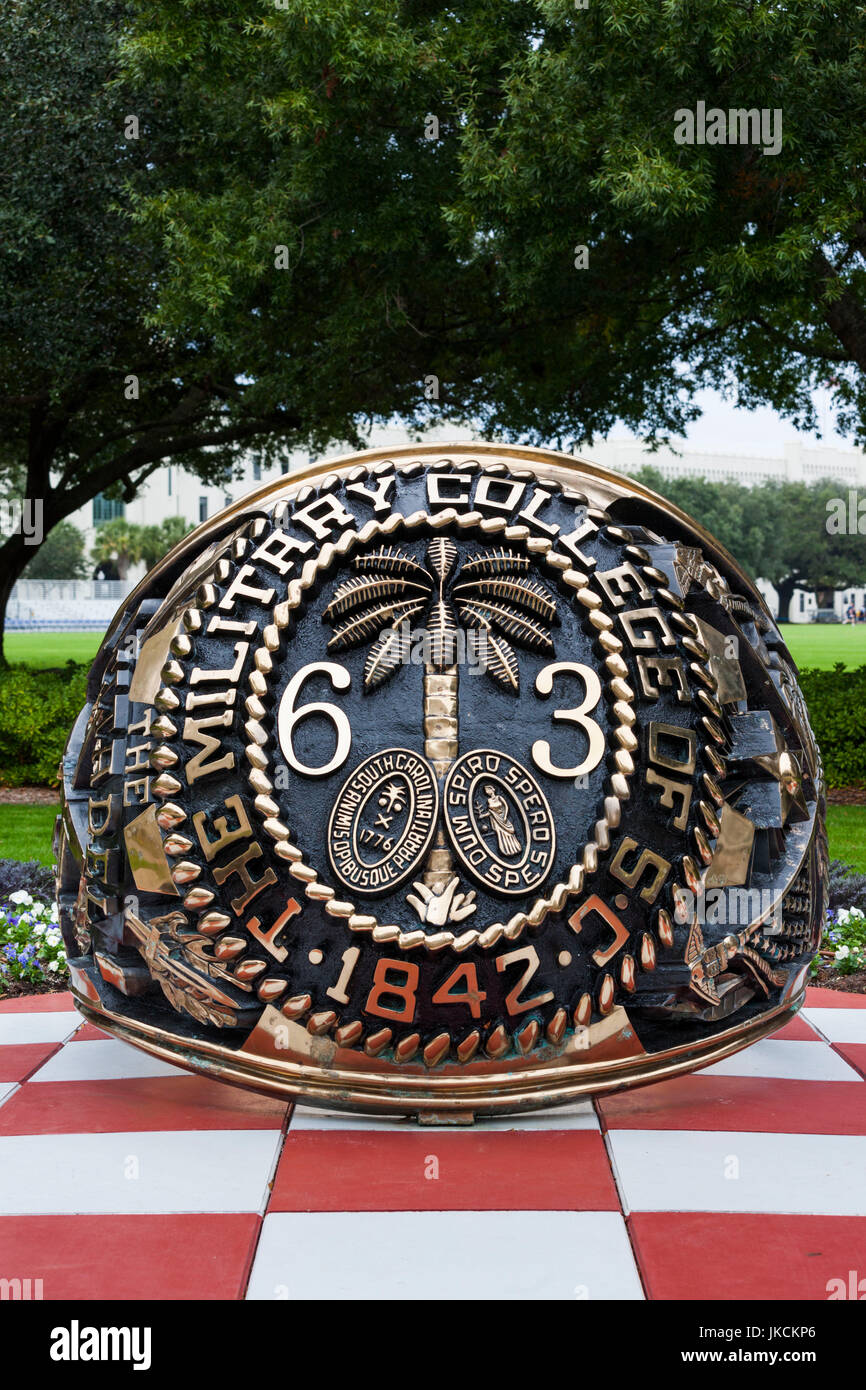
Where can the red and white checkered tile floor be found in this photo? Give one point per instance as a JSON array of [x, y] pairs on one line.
[[123, 1177]]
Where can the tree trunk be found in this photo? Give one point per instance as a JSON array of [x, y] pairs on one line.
[[14, 556], [440, 747], [785, 589]]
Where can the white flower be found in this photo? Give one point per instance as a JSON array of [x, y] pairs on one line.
[[842, 953], [52, 965], [20, 897], [38, 930], [54, 914]]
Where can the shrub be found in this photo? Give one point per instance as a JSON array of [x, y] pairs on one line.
[[837, 711], [847, 886], [37, 712], [32, 877]]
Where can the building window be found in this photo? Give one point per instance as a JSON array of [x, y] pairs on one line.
[[227, 501], [106, 509], [202, 509], [802, 601], [257, 472], [169, 482]]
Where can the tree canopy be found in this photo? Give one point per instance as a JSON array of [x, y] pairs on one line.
[[555, 129], [263, 223], [120, 543], [60, 556], [93, 397]]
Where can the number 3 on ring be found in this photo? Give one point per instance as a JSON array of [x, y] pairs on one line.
[[579, 716]]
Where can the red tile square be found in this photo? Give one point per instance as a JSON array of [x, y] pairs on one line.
[[798, 1030], [817, 998], [88, 1032], [370, 1170], [20, 1060], [136, 1103], [757, 1104], [205, 1256], [855, 1053], [38, 1003], [704, 1256]]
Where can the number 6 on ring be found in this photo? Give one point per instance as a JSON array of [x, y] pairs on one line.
[[289, 717]]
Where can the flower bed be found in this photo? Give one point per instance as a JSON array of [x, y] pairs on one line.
[[843, 948], [32, 956]]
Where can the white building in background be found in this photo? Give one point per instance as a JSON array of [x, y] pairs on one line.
[[172, 491], [799, 463]]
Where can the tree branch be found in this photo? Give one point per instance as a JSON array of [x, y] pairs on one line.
[[844, 314]]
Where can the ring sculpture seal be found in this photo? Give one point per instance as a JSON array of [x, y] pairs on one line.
[[448, 782]]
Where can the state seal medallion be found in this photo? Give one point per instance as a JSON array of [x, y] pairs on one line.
[[383, 821]]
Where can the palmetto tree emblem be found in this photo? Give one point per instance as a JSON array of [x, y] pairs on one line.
[[491, 593]]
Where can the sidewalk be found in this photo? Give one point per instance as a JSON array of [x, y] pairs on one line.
[[123, 1177]]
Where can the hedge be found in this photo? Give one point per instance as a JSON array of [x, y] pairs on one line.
[[837, 710], [38, 709]]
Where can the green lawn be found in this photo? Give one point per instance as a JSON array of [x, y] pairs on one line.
[[823, 644], [846, 827], [26, 831], [51, 648]]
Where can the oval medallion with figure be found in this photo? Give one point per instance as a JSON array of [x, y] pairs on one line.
[[498, 822]]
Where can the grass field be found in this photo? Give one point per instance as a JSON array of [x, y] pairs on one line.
[[51, 648], [26, 831], [846, 827], [823, 644]]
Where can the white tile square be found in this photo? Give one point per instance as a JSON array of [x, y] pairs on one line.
[[839, 1025], [48, 1027], [103, 1060], [157, 1171], [694, 1170], [575, 1115], [436, 1255], [791, 1061]]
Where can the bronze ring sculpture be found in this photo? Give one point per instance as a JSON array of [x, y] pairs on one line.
[[444, 782]]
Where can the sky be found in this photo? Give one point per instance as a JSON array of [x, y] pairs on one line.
[[722, 428]]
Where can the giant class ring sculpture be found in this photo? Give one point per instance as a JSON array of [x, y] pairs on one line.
[[443, 781]]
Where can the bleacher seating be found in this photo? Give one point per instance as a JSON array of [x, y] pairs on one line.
[[45, 606]]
